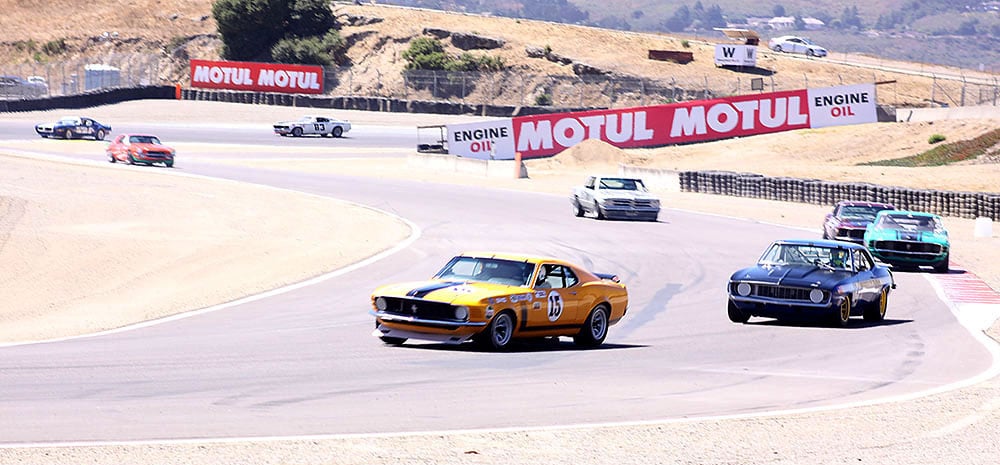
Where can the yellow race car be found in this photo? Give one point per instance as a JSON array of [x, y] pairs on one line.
[[493, 298]]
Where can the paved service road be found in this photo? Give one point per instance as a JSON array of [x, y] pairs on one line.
[[304, 362]]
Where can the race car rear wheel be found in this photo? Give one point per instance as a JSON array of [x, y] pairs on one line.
[[577, 208], [392, 341], [499, 333], [297, 132], [99, 135], [843, 314], [876, 312], [595, 329], [736, 315], [111, 158], [337, 131]]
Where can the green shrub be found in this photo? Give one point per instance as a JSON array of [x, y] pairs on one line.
[[54, 47], [685, 43], [428, 53], [945, 154], [935, 138], [543, 100]]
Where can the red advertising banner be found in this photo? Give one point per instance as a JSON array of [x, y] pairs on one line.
[[679, 123], [258, 77]]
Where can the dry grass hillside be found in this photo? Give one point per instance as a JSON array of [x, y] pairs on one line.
[[176, 30]]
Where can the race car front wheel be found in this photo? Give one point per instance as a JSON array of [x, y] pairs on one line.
[[499, 333], [297, 132], [99, 135], [337, 131], [876, 312]]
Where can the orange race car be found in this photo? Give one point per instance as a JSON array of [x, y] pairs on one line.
[[493, 298], [140, 148]]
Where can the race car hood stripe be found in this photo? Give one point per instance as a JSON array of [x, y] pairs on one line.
[[422, 291]]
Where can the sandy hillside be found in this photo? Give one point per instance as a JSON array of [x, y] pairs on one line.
[[175, 30]]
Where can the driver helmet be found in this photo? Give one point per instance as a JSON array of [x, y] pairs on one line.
[[541, 274], [838, 259]]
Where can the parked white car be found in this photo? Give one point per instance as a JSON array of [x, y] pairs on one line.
[[315, 125], [795, 44]]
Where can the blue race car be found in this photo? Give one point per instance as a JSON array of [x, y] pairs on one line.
[[831, 280], [72, 127]]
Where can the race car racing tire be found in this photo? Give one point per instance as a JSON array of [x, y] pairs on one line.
[[111, 158], [736, 315], [577, 208], [499, 333], [599, 212], [777, 48], [876, 311], [68, 134], [168, 164], [810, 53], [392, 341], [942, 267], [99, 135], [843, 314], [131, 159], [337, 131], [297, 132], [595, 329]]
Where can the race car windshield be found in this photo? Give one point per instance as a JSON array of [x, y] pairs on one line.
[[490, 270], [622, 184], [143, 140], [910, 223], [858, 212], [804, 254]]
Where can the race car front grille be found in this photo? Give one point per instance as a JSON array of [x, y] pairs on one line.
[[634, 203], [154, 154], [853, 233], [781, 292], [907, 246], [422, 309]]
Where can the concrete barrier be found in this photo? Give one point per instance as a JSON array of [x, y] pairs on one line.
[[935, 114], [453, 164]]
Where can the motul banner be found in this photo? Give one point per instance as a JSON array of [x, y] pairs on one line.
[[697, 121], [258, 77]]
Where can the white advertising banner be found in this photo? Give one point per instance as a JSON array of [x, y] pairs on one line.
[[484, 140], [735, 55], [842, 105]]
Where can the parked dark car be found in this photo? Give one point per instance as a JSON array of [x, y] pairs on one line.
[[72, 127], [848, 220], [828, 280]]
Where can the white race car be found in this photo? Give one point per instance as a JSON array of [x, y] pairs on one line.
[[317, 125]]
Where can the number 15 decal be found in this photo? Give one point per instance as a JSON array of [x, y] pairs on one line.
[[555, 306]]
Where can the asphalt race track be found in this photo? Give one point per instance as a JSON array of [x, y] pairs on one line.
[[304, 363]]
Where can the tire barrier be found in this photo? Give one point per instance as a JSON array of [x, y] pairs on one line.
[[90, 99], [384, 104], [820, 192]]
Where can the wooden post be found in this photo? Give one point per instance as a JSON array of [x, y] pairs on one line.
[[517, 165], [177, 91]]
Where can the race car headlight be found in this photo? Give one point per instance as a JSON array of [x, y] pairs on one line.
[[461, 312], [815, 296], [743, 289], [381, 304]]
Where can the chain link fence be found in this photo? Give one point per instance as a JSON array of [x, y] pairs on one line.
[[33, 80], [71, 77]]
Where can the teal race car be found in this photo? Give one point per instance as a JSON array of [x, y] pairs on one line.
[[909, 239]]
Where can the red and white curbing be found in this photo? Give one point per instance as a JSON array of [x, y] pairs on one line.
[[975, 304]]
